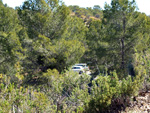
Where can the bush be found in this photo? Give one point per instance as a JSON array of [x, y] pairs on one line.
[[68, 92], [107, 89]]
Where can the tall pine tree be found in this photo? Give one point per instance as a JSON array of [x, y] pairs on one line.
[[122, 26]]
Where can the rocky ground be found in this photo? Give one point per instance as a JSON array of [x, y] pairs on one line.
[[140, 104]]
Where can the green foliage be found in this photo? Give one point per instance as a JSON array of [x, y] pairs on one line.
[[67, 92], [10, 45], [141, 63], [64, 93], [112, 42], [41, 40], [106, 89], [55, 39], [96, 44]]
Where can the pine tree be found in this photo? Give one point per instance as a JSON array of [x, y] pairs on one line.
[[10, 45], [122, 25]]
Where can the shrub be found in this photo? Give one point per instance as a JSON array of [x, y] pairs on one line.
[[108, 89]]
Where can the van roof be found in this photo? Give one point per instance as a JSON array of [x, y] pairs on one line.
[[81, 64]]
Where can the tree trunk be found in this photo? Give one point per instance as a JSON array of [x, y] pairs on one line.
[[122, 54], [123, 46]]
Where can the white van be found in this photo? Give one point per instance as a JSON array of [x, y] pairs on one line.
[[84, 65], [78, 69]]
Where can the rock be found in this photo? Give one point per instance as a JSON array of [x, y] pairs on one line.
[[140, 104]]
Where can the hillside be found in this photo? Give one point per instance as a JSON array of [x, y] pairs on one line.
[[41, 40], [87, 14]]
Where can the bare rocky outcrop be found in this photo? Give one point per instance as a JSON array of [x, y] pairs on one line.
[[140, 104]]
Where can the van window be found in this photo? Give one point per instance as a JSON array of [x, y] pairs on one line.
[[76, 68]]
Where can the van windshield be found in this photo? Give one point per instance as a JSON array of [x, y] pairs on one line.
[[76, 68], [81, 65]]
